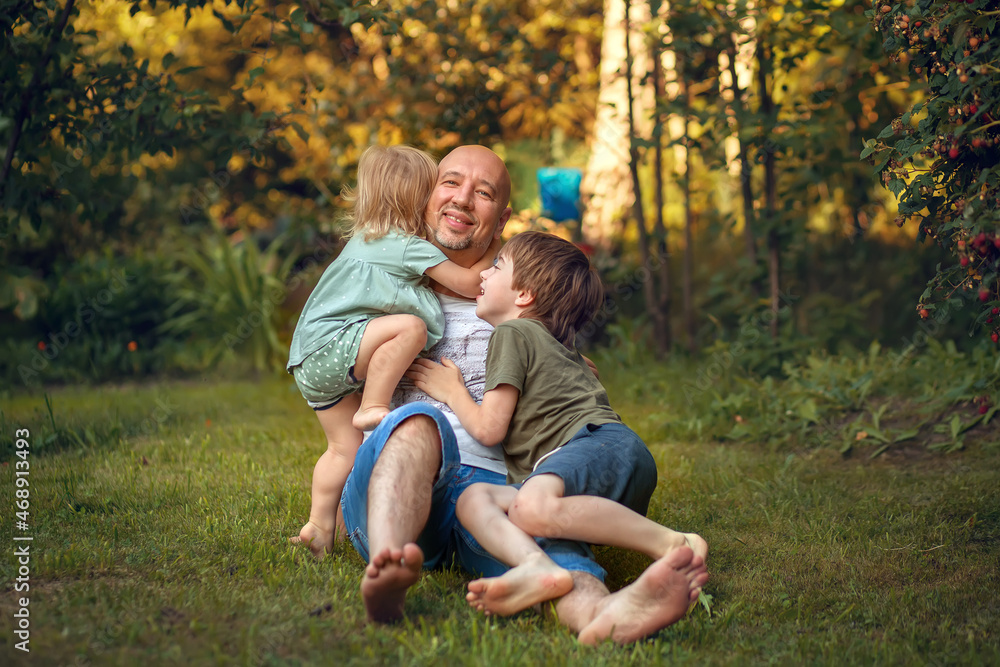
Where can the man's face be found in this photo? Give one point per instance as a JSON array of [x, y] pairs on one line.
[[468, 207]]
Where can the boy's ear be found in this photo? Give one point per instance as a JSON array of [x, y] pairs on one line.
[[524, 299]]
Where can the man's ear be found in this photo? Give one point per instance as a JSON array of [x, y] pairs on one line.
[[504, 218], [524, 299]]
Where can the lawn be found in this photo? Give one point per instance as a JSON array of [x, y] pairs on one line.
[[159, 515]]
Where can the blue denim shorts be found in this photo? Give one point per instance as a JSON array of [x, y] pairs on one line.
[[610, 461], [444, 541]]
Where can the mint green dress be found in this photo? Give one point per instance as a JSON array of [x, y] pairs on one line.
[[368, 279]]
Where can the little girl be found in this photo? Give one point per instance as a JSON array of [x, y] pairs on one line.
[[369, 316]]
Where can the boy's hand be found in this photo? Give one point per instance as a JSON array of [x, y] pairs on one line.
[[439, 381]]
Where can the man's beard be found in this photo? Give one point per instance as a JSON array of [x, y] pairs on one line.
[[454, 242]]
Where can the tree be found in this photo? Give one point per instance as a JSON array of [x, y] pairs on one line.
[[940, 157]]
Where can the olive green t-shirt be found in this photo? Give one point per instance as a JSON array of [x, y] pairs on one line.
[[559, 394]]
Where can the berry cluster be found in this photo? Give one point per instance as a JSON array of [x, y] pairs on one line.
[[941, 158]]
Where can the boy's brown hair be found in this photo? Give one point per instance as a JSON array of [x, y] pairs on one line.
[[394, 184], [567, 289]]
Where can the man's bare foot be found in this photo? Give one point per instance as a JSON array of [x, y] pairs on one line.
[[534, 581], [366, 419], [388, 576], [319, 541], [658, 598]]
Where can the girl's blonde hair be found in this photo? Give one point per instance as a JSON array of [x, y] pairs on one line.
[[394, 184]]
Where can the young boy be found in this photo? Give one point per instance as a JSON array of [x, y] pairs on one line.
[[556, 424]]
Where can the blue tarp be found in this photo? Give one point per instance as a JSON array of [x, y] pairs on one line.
[[560, 192]]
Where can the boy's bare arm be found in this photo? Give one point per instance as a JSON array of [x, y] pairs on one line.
[[486, 422]]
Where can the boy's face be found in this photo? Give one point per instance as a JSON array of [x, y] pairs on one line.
[[499, 301]]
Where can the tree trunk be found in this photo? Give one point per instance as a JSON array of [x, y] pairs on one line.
[[690, 326], [770, 188], [746, 171], [606, 191], [638, 213], [661, 265]]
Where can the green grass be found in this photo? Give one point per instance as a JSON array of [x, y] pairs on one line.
[[159, 514]]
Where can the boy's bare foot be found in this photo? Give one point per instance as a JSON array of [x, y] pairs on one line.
[[520, 587], [388, 576], [366, 419], [319, 541], [658, 598], [698, 544]]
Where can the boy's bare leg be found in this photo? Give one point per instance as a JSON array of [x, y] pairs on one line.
[[535, 578], [539, 508], [329, 475], [388, 347], [399, 503]]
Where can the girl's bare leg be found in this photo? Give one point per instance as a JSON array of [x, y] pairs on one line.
[[329, 476], [388, 347]]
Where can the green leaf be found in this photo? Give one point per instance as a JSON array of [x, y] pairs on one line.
[[253, 74]]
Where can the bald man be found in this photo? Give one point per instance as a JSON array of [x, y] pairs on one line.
[[399, 500]]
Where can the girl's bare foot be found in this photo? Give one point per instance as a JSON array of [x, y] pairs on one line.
[[389, 574], [319, 541], [366, 419], [534, 581]]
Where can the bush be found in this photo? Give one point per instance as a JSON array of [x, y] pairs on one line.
[[941, 158], [99, 322]]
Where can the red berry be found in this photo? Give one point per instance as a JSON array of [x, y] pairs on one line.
[[973, 108], [953, 153], [983, 409], [964, 261], [924, 313], [961, 245], [995, 337], [996, 242], [980, 238], [995, 311], [984, 295], [977, 142]]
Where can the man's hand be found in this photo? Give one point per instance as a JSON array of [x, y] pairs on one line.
[[593, 367], [439, 381]]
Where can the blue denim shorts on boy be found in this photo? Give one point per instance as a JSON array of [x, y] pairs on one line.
[[443, 539], [609, 461]]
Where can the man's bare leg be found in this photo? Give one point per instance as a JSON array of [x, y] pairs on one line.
[[636, 611], [399, 503], [389, 574], [658, 598]]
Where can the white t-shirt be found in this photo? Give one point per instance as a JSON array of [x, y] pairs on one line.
[[465, 340]]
